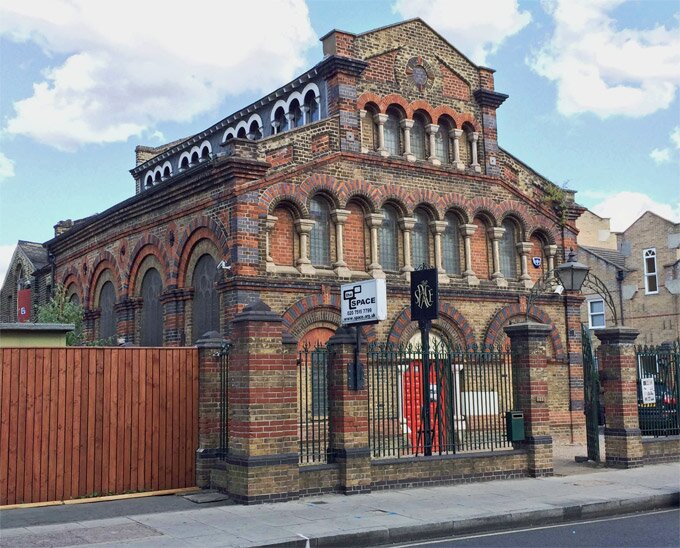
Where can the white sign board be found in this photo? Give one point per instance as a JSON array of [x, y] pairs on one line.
[[648, 391], [363, 302]]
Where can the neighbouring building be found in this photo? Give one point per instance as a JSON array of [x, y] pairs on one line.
[[382, 157], [640, 267], [27, 283]]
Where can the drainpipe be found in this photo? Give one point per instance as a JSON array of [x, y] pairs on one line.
[[619, 280]]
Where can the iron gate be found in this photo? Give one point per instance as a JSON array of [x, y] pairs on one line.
[[591, 389]]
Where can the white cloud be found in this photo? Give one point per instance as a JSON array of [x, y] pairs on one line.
[[6, 252], [6, 167], [675, 136], [601, 68], [125, 66], [476, 28], [660, 155], [623, 208]]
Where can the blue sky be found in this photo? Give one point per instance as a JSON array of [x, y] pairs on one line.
[[593, 89]]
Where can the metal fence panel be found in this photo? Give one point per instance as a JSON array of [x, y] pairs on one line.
[[313, 404], [659, 363]]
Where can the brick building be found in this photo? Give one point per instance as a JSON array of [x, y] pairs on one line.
[[640, 267], [380, 158], [28, 279]]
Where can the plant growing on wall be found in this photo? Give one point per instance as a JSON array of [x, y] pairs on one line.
[[61, 310], [555, 198]]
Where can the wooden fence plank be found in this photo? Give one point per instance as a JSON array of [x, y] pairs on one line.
[[183, 441], [103, 356], [91, 409], [75, 434], [37, 428], [54, 422], [21, 425], [127, 433], [162, 414], [47, 406], [5, 422], [142, 439], [30, 425], [61, 423], [120, 428], [133, 360], [68, 422], [84, 419]]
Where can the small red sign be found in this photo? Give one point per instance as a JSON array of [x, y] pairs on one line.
[[24, 305]]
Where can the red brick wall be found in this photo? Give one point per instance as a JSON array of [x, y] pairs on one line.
[[282, 238], [536, 251], [452, 85], [381, 67], [355, 238], [480, 251]]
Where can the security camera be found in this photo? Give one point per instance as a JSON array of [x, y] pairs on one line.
[[559, 289]]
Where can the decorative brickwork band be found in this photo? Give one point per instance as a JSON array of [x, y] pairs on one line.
[[348, 410], [618, 367], [530, 388]]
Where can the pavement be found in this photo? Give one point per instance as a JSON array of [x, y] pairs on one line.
[[578, 490]]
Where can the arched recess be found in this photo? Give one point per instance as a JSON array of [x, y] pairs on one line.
[[482, 260], [451, 323], [495, 336], [539, 241], [105, 261], [200, 274], [147, 246], [317, 311], [356, 236], [283, 241], [201, 228]]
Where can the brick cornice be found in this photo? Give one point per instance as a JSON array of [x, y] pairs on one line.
[[488, 98]]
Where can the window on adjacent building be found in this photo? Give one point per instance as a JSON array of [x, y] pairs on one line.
[[451, 245], [508, 250], [420, 241], [651, 279], [107, 314], [152, 309], [320, 237], [596, 313], [205, 305], [389, 239], [441, 143]]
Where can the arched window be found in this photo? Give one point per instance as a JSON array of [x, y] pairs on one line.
[[392, 132], [184, 164], [389, 239], [167, 172], [441, 143], [152, 310], [280, 119], [205, 305], [508, 251], [420, 241], [419, 138], [296, 111], [312, 106], [241, 134], [254, 133], [107, 314], [370, 128], [320, 237], [451, 245], [149, 181], [74, 299]]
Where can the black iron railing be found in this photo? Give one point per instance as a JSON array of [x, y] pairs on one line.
[[470, 392], [223, 356], [313, 404], [659, 389]]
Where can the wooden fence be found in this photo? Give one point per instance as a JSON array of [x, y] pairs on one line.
[[77, 422]]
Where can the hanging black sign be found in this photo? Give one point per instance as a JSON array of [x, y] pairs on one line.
[[424, 294]]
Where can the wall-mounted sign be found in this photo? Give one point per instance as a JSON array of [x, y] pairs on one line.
[[24, 305], [424, 294], [363, 302], [536, 261], [648, 390]]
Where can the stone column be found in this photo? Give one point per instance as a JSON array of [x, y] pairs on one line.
[[174, 309], [469, 274], [209, 452], [275, 127], [362, 129], [530, 390], [550, 252], [126, 310], [406, 125], [269, 224], [618, 366], [456, 134], [339, 217], [524, 248], [305, 112], [375, 221], [262, 461], [290, 116], [380, 119], [496, 233], [348, 415], [473, 138], [438, 228], [90, 322], [407, 224], [304, 227], [432, 130]]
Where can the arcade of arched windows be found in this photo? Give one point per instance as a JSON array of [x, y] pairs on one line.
[[142, 309], [356, 241], [439, 136]]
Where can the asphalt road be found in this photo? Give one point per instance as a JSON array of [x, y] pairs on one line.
[[654, 529]]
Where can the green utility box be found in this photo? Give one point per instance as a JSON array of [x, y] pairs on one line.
[[514, 424]]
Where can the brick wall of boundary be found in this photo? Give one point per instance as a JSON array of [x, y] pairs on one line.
[[659, 450], [76, 422]]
